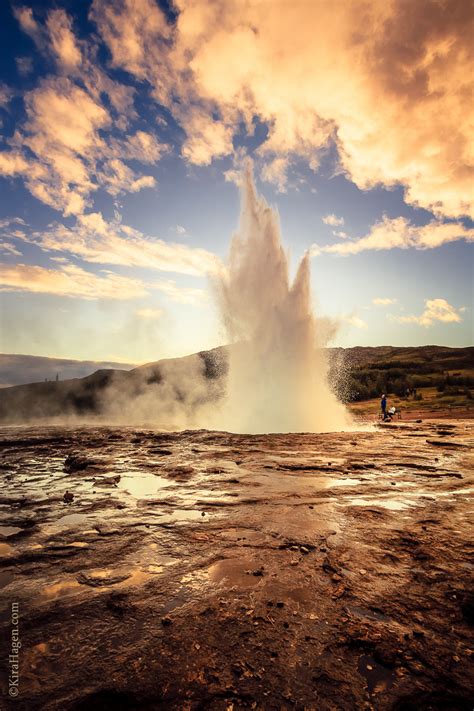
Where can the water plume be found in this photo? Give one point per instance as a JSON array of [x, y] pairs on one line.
[[277, 379]]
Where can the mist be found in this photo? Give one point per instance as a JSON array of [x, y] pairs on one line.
[[278, 367]]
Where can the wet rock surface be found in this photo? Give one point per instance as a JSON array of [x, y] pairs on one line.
[[205, 570]]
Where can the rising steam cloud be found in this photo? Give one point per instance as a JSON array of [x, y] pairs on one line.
[[272, 377], [277, 379]]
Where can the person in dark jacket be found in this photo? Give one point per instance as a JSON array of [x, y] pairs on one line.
[[383, 405]]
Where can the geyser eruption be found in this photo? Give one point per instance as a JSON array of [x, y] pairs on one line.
[[278, 367]]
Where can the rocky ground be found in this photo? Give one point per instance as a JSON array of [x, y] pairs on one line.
[[204, 570]]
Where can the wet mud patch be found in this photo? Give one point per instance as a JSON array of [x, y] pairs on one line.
[[329, 571]]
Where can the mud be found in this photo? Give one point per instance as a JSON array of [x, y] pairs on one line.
[[205, 570]]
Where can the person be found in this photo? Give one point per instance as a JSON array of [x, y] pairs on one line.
[[383, 405]]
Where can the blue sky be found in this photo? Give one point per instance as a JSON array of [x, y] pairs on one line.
[[124, 127]]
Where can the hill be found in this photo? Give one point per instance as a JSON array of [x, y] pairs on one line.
[[21, 369], [168, 388]]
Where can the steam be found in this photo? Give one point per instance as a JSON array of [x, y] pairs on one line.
[[272, 377], [277, 379]]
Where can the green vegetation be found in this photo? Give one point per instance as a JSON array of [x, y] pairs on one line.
[[443, 377]]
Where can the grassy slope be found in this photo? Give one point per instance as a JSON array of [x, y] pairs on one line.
[[428, 368]]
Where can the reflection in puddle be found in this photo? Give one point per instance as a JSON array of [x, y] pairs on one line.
[[235, 572], [142, 485], [183, 515], [391, 504], [378, 677]]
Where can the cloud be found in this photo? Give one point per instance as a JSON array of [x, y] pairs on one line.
[[141, 146], [63, 41], [207, 139], [27, 22], [12, 163], [134, 31], [357, 322], [9, 248], [62, 155], [435, 310], [382, 301], [6, 95], [97, 241], [391, 233], [275, 172], [24, 65], [389, 84], [70, 143], [333, 220], [119, 178], [69, 280]]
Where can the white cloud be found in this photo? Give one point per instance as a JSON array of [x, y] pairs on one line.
[[69, 280], [357, 322], [395, 103], [97, 241], [333, 220], [9, 248], [65, 149], [391, 233], [383, 301], [275, 171], [63, 41], [435, 310]]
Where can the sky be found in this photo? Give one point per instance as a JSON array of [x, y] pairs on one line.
[[124, 127]]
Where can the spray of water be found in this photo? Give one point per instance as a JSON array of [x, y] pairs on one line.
[[277, 380]]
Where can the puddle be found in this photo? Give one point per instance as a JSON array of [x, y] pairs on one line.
[[142, 485], [365, 613], [184, 515], [70, 519], [7, 531], [391, 504], [235, 572], [244, 536], [149, 561], [378, 677]]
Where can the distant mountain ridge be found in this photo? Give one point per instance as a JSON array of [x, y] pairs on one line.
[[186, 383], [19, 369]]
